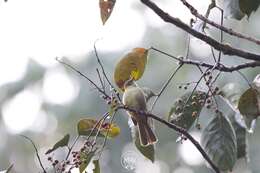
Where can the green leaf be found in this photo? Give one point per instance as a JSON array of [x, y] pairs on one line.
[[185, 117], [97, 166], [85, 158], [219, 142], [61, 143], [106, 8], [146, 151], [241, 137], [241, 140], [248, 6], [232, 94], [249, 105]]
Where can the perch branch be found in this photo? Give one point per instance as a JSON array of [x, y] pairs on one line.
[[179, 130], [226, 49]]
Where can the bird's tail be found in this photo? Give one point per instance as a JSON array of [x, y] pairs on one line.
[[146, 134]]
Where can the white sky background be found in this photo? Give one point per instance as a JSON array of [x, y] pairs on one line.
[[45, 29]]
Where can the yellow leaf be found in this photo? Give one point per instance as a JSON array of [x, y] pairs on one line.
[[112, 130], [106, 8], [86, 126], [131, 65]]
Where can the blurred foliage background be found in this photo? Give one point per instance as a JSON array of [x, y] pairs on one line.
[[44, 100]]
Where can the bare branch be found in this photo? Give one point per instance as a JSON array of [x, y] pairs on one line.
[[222, 28], [70, 148], [100, 79], [226, 49], [244, 77], [219, 66], [103, 71], [81, 74]]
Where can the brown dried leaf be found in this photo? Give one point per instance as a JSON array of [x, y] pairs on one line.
[[106, 8]]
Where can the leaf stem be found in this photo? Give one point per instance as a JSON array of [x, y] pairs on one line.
[[36, 151]]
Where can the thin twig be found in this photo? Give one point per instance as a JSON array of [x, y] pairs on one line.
[[165, 85], [195, 87], [167, 54], [36, 151], [91, 132], [71, 147], [213, 54], [221, 35], [99, 124], [244, 77], [205, 78], [101, 65], [81, 74], [210, 7], [100, 79], [104, 116], [105, 140], [103, 70], [217, 76]]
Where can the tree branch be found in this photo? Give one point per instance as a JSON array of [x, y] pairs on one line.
[[226, 49], [179, 130], [222, 28], [219, 66]]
